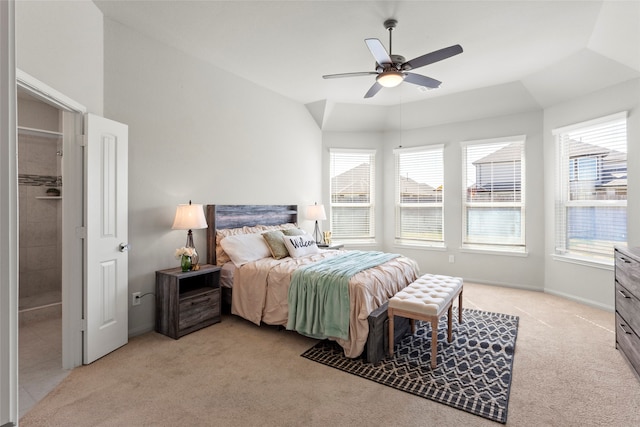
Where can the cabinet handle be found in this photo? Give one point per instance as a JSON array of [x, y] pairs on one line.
[[623, 294], [626, 261], [622, 326]]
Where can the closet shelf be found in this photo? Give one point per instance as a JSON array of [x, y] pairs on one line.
[[39, 132], [49, 197]]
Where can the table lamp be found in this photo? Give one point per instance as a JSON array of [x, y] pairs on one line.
[[190, 217]]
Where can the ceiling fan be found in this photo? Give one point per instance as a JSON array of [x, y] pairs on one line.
[[391, 70]]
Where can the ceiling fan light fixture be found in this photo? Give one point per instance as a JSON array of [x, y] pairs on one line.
[[390, 78]]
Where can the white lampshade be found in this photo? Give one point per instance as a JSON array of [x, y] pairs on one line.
[[390, 78], [189, 217], [316, 212]]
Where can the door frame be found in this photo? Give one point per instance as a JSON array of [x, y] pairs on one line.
[[72, 214], [8, 220]]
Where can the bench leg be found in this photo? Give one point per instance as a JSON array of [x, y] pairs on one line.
[[449, 321], [460, 307], [390, 316], [434, 342]]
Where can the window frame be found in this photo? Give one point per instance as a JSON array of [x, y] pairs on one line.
[[563, 179], [370, 205], [399, 205], [518, 247]]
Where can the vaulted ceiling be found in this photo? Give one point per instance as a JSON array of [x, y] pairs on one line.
[[542, 51]]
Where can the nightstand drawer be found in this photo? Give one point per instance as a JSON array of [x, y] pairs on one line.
[[199, 308]]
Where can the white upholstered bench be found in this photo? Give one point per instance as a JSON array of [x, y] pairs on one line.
[[427, 299]]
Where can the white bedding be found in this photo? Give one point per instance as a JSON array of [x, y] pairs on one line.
[[226, 275], [260, 292]]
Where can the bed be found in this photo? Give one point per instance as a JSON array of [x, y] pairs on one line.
[[257, 287]]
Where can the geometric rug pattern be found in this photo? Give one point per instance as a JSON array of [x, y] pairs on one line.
[[473, 372]]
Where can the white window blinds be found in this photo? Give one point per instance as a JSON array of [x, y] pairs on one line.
[[352, 174], [591, 191], [493, 194], [419, 193]]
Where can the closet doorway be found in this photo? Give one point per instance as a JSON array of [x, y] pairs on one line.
[[73, 231], [49, 166], [40, 194]]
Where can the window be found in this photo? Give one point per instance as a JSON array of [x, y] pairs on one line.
[[493, 196], [419, 195], [591, 191], [352, 194]]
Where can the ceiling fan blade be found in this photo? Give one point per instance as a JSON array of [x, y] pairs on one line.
[[420, 80], [378, 51], [373, 90], [432, 57], [336, 76]]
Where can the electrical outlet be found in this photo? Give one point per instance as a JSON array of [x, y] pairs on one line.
[[452, 259], [135, 298]]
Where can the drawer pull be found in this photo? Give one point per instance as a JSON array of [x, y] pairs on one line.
[[623, 294], [622, 326], [626, 261]]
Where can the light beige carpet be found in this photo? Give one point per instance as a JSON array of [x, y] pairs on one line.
[[567, 372]]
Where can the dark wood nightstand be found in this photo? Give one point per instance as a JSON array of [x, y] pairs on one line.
[[187, 301]]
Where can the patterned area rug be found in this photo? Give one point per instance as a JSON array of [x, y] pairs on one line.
[[473, 372]]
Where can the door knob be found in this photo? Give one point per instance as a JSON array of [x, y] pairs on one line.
[[124, 247]]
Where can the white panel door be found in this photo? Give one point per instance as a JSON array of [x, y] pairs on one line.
[[106, 279]]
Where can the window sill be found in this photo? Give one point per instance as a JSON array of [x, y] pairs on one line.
[[362, 243], [428, 246], [495, 251], [584, 261]]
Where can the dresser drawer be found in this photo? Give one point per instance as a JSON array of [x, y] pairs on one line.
[[628, 272], [628, 306], [199, 309], [628, 342]]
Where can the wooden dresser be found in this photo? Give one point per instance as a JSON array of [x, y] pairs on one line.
[[627, 282]]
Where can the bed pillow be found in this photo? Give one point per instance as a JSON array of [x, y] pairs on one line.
[[221, 255], [275, 241], [301, 245], [293, 232], [244, 248]]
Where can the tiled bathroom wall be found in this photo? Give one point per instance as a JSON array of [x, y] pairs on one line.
[[40, 213]]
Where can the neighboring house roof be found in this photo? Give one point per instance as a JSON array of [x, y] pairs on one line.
[[409, 186], [622, 182], [506, 154], [352, 181], [579, 148], [356, 181]]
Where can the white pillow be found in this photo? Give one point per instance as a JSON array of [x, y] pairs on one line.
[[244, 248], [301, 245]]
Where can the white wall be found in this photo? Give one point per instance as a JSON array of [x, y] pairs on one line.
[[60, 43], [362, 141], [591, 285], [517, 271], [198, 133]]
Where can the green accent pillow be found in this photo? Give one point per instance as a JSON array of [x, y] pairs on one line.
[[275, 241]]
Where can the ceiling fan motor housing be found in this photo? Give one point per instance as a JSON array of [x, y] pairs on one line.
[[397, 61]]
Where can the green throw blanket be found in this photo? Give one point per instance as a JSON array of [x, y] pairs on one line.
[[319, 293]]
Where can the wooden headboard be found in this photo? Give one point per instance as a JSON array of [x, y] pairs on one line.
[[235, 216]]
